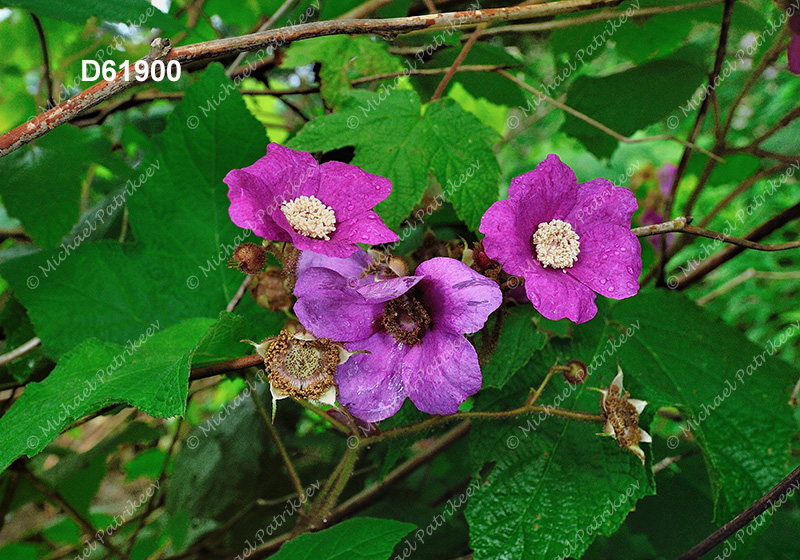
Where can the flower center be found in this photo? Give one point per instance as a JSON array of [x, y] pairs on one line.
[[623, 418], [556, 243], [310, 217], [301, 368], [406, 320]]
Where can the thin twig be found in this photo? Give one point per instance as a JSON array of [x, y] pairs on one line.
[[592, 18], [267, 25], [683, 225], [673, 225], [369, 495], [46, 77], [719, 59], [287, 462], [457, 62], [758, 507], [227, 366], [151, 505], [600, 126], [720, 258], [744, 277], [20, 351], [210, 50], [59, 501], [237, 297]]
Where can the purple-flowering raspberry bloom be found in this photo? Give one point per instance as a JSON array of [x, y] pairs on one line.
[[652, 213], [412, 328], [287, 196], [566, 240], [794, 47]]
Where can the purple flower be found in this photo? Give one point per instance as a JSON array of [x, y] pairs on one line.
[[566, 240], [652, 214], [794, 47], [287, 196], [412, 328]]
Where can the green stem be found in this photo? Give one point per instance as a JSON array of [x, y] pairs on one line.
[[327, 417], [262, 411], [488, 414]]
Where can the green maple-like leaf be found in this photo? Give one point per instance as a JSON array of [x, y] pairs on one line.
[[446, 141]]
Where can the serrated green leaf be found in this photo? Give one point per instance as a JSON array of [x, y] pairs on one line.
[[447, 141], [178, 209], [150, 373], [342, 58], [556, 485], [519, 340], [364, 538], [42, 181], [688, 359]]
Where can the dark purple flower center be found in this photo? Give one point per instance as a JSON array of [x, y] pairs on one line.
[[406, 319]]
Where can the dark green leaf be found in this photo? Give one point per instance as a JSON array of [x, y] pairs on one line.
[[363, 538]]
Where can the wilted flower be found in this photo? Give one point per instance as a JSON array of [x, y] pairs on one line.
[[301, 366], [566, 240], [622, 417], [287, 196], [411, 329]]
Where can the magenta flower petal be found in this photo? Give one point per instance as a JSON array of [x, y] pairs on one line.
[[458, 298], [384, 290], [287, 196], [370, 385], [366, 228], [507, 245], [600, 202], [407, 324], [441, 372], [612, 261], [557, 295], [666, 174], [250, 197], [339, 179], [328, 307], [794, 54], [546, 193]]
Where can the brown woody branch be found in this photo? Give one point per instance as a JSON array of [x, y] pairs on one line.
[[210, 50]]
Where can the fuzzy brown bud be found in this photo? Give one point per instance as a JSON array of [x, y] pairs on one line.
[[250, 258]]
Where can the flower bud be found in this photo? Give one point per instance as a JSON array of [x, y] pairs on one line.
[[250, 258], [575, 372]]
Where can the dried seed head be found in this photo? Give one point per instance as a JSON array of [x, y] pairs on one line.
[[302, 366]]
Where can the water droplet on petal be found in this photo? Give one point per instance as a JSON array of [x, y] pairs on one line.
[[611, 288], [630, 270]]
